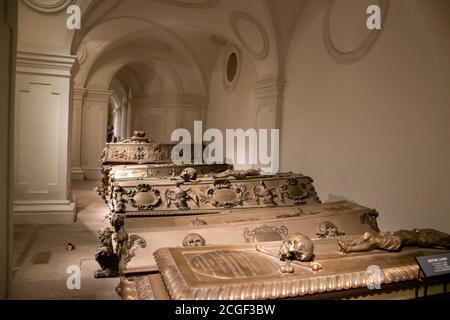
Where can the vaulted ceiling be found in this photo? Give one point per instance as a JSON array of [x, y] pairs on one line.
[[171, 46]]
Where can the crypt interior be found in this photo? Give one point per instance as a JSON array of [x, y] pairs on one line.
[[365, 113]]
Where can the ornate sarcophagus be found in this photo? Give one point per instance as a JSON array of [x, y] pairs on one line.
[[140, 159], [117, 175], [213, 232], [249, 272], [242, 272], [238, 226], [210, 194], [137, 150]]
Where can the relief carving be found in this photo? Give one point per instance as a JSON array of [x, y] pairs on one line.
[[138, 137], [117, 248], [144, 197], [395, 241], [194, 240], [117, 202], [299, 213], [295, 190], [180, 197], [223, 194], [120, 153], [266, 234], [189, 174], [140, 154], [237, 174], [268, 195], [340, 208], [199, 222], [370, 218], [328, 230]]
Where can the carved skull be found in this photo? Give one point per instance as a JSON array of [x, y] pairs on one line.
[[194, 240], [328, 229], [189, 174], [297, 247]]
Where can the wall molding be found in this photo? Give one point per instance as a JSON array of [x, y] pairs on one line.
[[44, 212], [97, 96], [169, 101], [269, 87], [44, 64], [235, 17], [205, 4], [355, 55], [79, 94], [48, 6]]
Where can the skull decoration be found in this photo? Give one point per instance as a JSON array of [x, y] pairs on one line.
[[194, 240], [328, 229], [189, 174], [297, 247]]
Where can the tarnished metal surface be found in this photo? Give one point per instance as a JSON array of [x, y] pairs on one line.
[[240, 273], [240, 226], [207, 195]]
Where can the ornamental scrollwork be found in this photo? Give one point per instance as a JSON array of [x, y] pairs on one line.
[[224, 194], [267, 195], [180, 197], [294, 190], [144, 197], [266, 233]]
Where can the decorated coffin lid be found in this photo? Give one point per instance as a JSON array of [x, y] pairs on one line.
[[241, 273], [138, 150], [158, 171], [246, 226], [246, 216], [166, 197]]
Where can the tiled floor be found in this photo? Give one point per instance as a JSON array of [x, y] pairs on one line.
[[41, 259]]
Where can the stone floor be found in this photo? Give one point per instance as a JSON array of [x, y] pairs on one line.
[[41, 260]]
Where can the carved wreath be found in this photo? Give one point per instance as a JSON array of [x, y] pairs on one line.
[[294, 190], [223, 194], [144, 197]]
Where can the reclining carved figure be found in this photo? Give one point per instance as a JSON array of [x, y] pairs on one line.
[[395, 241], [237, 174]]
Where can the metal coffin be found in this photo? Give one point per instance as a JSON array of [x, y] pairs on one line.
[[159, 197], [245, 226], [241, 273]]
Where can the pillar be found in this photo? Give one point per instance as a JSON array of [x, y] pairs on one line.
[[41, 148], [94, 132], [268, 94], [77, 117]]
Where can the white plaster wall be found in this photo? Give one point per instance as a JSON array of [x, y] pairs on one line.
[[157, 122], [232, 109], [41, 133], [377, 131], [235, 108], [159, 116]]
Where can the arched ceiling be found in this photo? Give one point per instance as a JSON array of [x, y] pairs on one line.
[[179, 40]]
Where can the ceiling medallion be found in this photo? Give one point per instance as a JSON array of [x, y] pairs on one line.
[[235, 18], [191, 4], [347, 57], [48, 6]]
